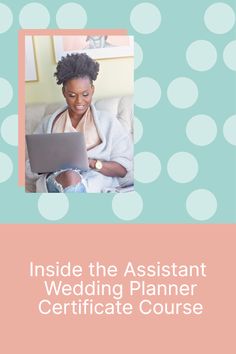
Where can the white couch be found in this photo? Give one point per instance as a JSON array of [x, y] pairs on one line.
[[121, 107]]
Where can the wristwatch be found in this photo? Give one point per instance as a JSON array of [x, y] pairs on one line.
[[98, 165]]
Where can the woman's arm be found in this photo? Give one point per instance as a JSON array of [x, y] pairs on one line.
[[109, 168]]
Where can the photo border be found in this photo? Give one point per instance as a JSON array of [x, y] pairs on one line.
[[21, 80]]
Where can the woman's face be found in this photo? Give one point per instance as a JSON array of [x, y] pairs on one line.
[[78, 93]]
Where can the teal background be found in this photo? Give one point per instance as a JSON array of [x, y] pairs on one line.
[[164, 125]]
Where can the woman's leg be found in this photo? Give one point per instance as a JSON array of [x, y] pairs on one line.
[[52, 185], [68, 178], [78, 188], [65, 181]]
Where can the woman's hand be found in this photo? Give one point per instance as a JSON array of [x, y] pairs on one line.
[[109, 168]]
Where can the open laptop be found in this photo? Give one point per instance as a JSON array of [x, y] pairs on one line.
[[53, 152]]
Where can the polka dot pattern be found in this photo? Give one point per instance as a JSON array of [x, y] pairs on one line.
[[34, 15], [229, 55], [219, 18], [140, 14], [71, 15], [182, 167], [138, 55], [201, 55], [182, 92], [201, 204], [6, 167], [201, 130], [147, 92], [127, 206], [52, 206], [186, 115], [6, 18], [9, 130], [147, 167], [138, 130], [6, 92], [229, 130]]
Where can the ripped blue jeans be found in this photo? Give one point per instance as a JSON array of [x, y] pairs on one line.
[[54, 187]]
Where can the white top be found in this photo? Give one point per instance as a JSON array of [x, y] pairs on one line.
[[116, 145]]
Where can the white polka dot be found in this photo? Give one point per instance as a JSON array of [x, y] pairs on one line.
[[6, 92], [182, 167], [6, 18], [147, 167], [145, 18], [182, 92], [201, 130], [138, 55], [6, 167], [53, 206], [229, 130], [71, 15], [147, 92], [138, 130], [229, 55], [201, 204], [127, 206], [9, 130], [201, 55], [219, 18], [34, 15]]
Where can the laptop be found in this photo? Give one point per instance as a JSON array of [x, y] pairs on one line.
[[54, 152]]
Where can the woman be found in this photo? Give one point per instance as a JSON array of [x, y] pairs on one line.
[[108, 145]]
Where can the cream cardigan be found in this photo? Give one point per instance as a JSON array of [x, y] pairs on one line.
[[116, 146]]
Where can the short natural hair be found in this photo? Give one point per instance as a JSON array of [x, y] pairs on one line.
[[74, 66]]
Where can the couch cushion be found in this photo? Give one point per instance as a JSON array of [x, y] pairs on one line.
[[121, 107], [36, 112]]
